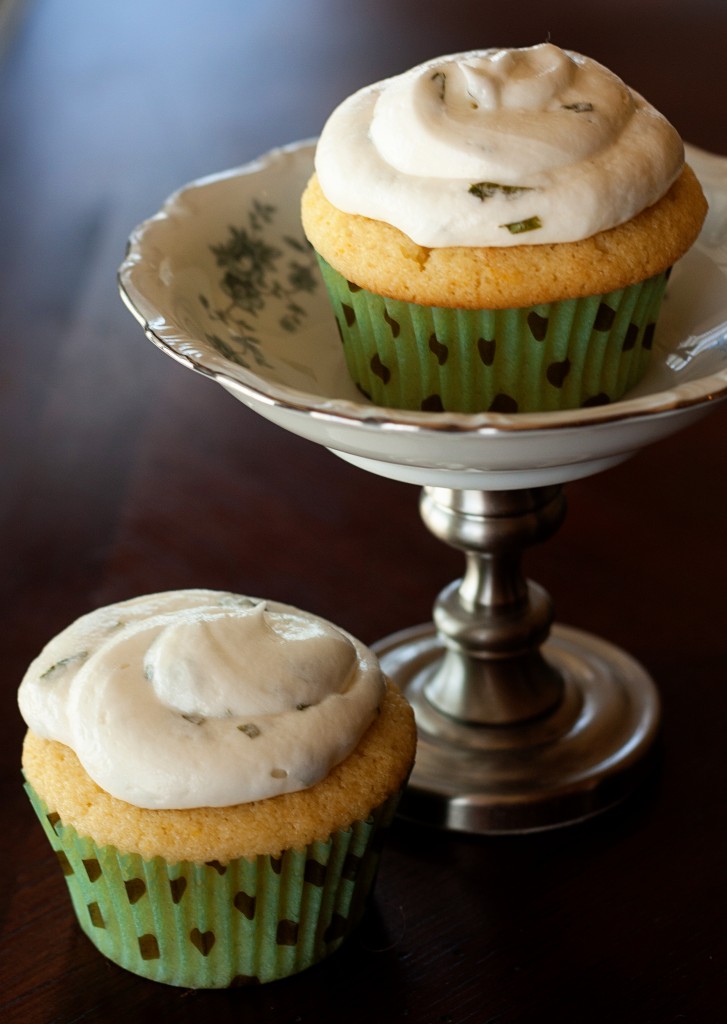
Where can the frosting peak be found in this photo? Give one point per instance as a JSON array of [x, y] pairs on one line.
[[498, 147], [201, 698], [248, 663]]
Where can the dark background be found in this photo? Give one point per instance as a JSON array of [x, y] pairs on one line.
[[123, 473]]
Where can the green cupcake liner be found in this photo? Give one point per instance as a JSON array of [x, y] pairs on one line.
[[558, 355], [218, 925]]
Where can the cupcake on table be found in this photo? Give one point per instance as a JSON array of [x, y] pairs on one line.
[[214, 773]]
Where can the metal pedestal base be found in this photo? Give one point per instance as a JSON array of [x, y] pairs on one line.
[[521, 726], [583, 756]]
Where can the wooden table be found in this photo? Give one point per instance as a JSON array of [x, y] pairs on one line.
[[124, 473]]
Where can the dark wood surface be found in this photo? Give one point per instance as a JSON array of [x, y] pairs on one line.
[[123, 473]]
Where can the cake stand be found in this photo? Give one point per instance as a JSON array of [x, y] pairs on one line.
[[523, 724]]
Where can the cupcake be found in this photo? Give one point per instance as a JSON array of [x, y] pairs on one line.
[[495, 230], [214, 773]]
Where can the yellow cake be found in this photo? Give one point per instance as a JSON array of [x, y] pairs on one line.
[[496, 229], [214, 773]]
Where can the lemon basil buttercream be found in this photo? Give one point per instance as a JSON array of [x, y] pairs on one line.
[[496, 228], [268, 752]]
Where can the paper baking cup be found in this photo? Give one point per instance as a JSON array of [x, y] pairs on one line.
[[218, 925], [558, 355]]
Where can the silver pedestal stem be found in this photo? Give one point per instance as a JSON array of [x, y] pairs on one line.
[[493, 622]]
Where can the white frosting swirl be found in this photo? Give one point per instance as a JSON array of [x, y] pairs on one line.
[[498, 148], [201, 698]]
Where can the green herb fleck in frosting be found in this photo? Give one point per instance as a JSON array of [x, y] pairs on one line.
[[487, 189], [582, 107], [194, 719], [250, 729], [63, 663], [519, 226], [441, 79]]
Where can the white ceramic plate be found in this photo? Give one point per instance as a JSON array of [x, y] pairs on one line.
[[223, 280]]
